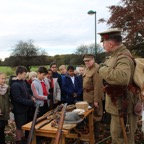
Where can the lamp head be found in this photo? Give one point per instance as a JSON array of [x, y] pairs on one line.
[[91, 12]]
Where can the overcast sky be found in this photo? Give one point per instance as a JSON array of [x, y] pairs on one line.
[[58, 26]]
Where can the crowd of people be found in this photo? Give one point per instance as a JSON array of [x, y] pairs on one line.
[[51, 86]]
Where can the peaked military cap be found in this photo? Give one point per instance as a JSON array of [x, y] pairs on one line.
[[110, 33], [88, 56]]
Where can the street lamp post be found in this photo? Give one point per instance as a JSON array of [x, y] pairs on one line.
[[91, 13]]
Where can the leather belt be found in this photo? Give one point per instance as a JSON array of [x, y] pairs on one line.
[[88, 89]]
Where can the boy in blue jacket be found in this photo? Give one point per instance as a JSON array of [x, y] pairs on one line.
[[71, 87]]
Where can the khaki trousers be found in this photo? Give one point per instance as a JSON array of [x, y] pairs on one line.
[[116, 130]]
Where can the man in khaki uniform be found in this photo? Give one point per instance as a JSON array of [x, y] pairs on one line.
[[93, 90], [118, 70]]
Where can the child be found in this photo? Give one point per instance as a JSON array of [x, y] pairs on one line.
[[40, 90], [4, 106], [53, 67], [71, 87], [81, 70], [30, 77], [80, 76], [54, 90], [21, 101], [63, 70]]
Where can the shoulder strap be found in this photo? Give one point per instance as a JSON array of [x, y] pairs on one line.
[[129, 56]]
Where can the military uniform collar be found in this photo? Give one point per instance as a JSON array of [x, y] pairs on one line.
[[118, 49], [91, 70]]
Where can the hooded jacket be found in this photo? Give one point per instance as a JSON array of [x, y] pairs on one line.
[[20, 97]]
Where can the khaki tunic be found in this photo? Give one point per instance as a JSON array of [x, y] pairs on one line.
[[93, 89], [119, 70]]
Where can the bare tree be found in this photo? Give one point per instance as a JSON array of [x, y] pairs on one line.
[[27, 54], [88, 49]]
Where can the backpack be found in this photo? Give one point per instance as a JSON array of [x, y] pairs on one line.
[[139, 74], [137, 86], [138, 77]]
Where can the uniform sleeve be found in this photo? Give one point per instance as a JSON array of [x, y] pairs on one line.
[[119, 75], [98, 87]]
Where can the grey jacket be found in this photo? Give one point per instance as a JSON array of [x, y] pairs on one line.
[[38, 91], [56, 89]]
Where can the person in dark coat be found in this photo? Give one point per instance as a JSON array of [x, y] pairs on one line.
[[80, 77], [21, 101], [53, 67], [71, 86]]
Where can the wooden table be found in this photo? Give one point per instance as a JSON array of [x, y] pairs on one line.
[[48, 131]]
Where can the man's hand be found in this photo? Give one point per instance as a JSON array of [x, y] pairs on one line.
[[96, 104], [101, 65]]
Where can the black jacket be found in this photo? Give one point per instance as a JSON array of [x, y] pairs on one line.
[[57, 75], [20, 97]]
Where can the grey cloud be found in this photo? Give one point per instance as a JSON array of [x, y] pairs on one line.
[[51, 24]]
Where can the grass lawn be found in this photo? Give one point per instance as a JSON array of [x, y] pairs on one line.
[[11, 71], [7, 70], [35, 68]]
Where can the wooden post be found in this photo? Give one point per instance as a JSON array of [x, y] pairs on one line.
[[91, 128]]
